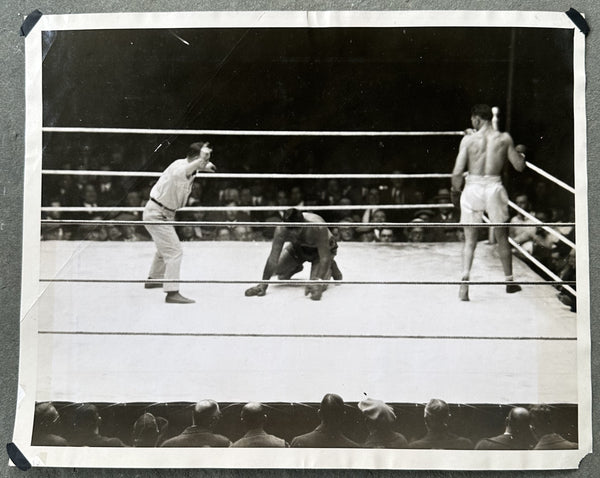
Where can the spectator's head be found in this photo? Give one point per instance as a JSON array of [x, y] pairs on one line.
[[443, 197], [335, 231], [230, 195], [231, 214], [373, 196], [206, 413], [296, 196], [54, 202], [417, 233], [133, 199], [424, 214], [186, 233], [480, 115], [378, 216], [245, 197], [86, 419], [253, 415], [90, 195], [242, 233], [437, 415], [281, 198], [333, 187], [541, 420], [386, 235], [346, 232], [518, 423], [114, 233], [378, 415], [46, 416], [522, 201], [223, 234], [332, 411], [366, 235], [147, 430]]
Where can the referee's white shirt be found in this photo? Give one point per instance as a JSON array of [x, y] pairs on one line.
[[173, 187]]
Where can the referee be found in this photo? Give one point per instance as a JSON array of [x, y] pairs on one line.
[[170, 193]]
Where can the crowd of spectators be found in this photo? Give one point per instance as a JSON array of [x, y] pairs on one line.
[[123, 191], [376, 423], [546, 248]]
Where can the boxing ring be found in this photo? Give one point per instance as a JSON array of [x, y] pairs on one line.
[[118, 342]]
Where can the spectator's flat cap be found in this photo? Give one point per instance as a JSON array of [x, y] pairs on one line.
[[376, 410], [423, 212]]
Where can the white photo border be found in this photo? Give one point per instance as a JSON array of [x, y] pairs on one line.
[[287, 458]]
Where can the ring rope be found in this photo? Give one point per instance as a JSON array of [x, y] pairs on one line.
[[539, 264], [557, 181], [556, 234], [233, 132], [77, 172], [307, 282], [250, 208], [110, 222]]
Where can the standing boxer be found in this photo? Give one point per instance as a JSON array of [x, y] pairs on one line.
[[484, 154], [170, 193]]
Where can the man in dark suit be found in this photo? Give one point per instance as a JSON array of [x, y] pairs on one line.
[[45, 424], [329, 433], [204, 418], [379, 419], [516, 436], [253, 417], [86, 426], [543, 431], [438, 437]]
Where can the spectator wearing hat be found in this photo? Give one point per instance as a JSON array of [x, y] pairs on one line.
[[516, 436], [329, 433], [253, 418], [543, 430], [205, 416], [86, 429], [445, 215], [437, 415], [45, 424], [148, 430], [415, 233], [379, 419]]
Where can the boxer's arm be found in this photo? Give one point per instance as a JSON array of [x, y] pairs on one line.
[[460, 166], [324, 254], [516, 155], [270, 266], [273, 259]]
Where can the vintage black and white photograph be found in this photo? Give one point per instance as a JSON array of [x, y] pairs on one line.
[[356, 231]]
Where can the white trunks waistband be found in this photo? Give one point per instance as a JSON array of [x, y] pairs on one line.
[[487, 179]]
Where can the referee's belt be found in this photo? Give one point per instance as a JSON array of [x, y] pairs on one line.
[[162, 205]]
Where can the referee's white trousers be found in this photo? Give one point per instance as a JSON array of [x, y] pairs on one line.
[[167, 260]]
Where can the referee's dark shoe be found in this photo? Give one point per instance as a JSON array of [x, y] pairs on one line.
[[174, 297]]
